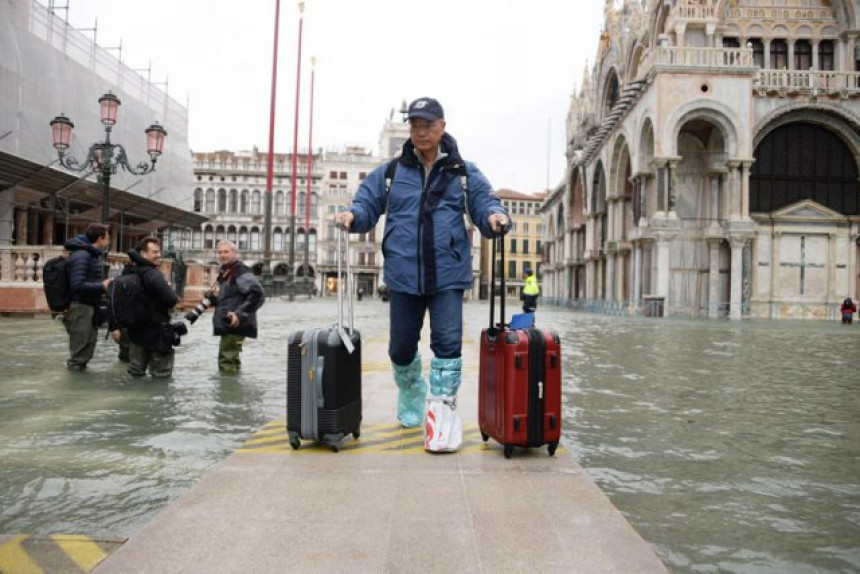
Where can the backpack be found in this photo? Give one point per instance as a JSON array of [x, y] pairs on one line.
[[55, 281], [126, 304]]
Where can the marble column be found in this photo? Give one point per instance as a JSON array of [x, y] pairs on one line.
[[745, 189], [714, 278], [664, 244], [736, 299], [637, 274]]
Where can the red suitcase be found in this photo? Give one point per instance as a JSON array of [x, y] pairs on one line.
[[519, 392]]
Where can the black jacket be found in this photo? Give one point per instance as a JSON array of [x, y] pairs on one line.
[[85, 271], [240, 292], [154, 334]]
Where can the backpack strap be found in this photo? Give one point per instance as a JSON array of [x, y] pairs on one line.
[[391, 168]]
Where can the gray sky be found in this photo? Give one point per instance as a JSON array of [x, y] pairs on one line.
[[503, 69]]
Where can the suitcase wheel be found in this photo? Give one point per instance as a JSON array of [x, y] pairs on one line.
[[335, 447], [295, 442], [484, 436], [356, 433], [551, 447], [509, 450]]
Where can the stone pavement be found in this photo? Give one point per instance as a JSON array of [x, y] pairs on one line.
[[383, 505]]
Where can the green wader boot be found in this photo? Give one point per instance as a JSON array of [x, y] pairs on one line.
[[445, 377], [412, 391]]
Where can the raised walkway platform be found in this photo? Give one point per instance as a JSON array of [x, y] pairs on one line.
[[384, 505]]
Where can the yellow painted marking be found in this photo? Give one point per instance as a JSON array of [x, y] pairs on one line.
[[15, 559], [387, 438], [81, 549]]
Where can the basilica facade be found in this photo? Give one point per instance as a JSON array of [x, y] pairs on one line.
[[712, 162]]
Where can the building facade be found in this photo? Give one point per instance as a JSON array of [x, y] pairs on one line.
[[48, 68], [713, 154], [230, 190], [523, 244]]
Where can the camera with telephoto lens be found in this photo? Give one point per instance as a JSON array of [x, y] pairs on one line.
[[200, 308], [178, 329]]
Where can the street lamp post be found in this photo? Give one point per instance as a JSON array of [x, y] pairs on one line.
[[105, 157], [292, 269]]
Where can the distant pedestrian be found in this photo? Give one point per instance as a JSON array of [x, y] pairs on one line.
[[238, 295], [360, 293], [151, 340], [848, 309], [86, 287], [530, 292]]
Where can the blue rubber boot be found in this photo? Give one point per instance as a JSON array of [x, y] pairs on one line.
[[412, 391], [445, 376]]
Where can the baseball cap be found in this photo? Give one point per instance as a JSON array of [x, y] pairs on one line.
[[425, 108]]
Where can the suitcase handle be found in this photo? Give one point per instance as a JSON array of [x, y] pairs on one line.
[[500, 237], [344, 233]]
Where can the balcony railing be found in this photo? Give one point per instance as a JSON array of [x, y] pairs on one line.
[[675, 57], [785, 82]]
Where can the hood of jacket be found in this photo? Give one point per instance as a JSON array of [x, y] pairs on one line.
[[448, 145], [81, 242], [138, 259]]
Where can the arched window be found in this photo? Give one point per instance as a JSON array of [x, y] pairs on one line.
[[234, 201], [312, 245], [222, 200], [314, 204], [243, 239], [198, 200], [803, 161], [300, 240], [277, 240], [210, 201], [279, 203], [255, 202], [243, 202], [802, 55], [255, 239], [209, 242], [232, 234], [301, 207], [219, 234]]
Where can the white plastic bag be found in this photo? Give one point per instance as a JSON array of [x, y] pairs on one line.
[[444, 430]]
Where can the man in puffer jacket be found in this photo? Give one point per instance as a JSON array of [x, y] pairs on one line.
[[237, 297], [151, 340], [427, 254], [86, 288]]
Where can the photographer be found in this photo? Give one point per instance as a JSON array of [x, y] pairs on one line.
[[152, 340], [237, 297]]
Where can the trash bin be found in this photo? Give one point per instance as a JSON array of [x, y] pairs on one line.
[[653, 305]]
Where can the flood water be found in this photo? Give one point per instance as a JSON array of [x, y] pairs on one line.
[[730, 446]]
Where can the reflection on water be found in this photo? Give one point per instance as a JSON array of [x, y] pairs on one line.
[[730, 446]]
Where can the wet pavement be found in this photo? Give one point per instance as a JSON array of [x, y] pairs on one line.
[[729, 446]]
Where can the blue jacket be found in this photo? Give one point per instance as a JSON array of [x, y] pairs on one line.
[[85, 270], [425, 242]]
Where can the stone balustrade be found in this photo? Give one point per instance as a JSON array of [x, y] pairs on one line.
[[826, 82], [21, 277], [696, 58]]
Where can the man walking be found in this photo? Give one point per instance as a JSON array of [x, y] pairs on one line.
[[151, 340], [238, 295], [427, 258], [86, 287]]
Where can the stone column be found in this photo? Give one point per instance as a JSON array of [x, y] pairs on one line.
[[737, 244], [590, 279], [664, 244], [790, 54], [21, 226], [766, 55], [745, 189], [7, 215], [671, 169], [714, 278], [660, 167], [734, 190], [637, 274], [611, 261], [815, 54], [48, 230]]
